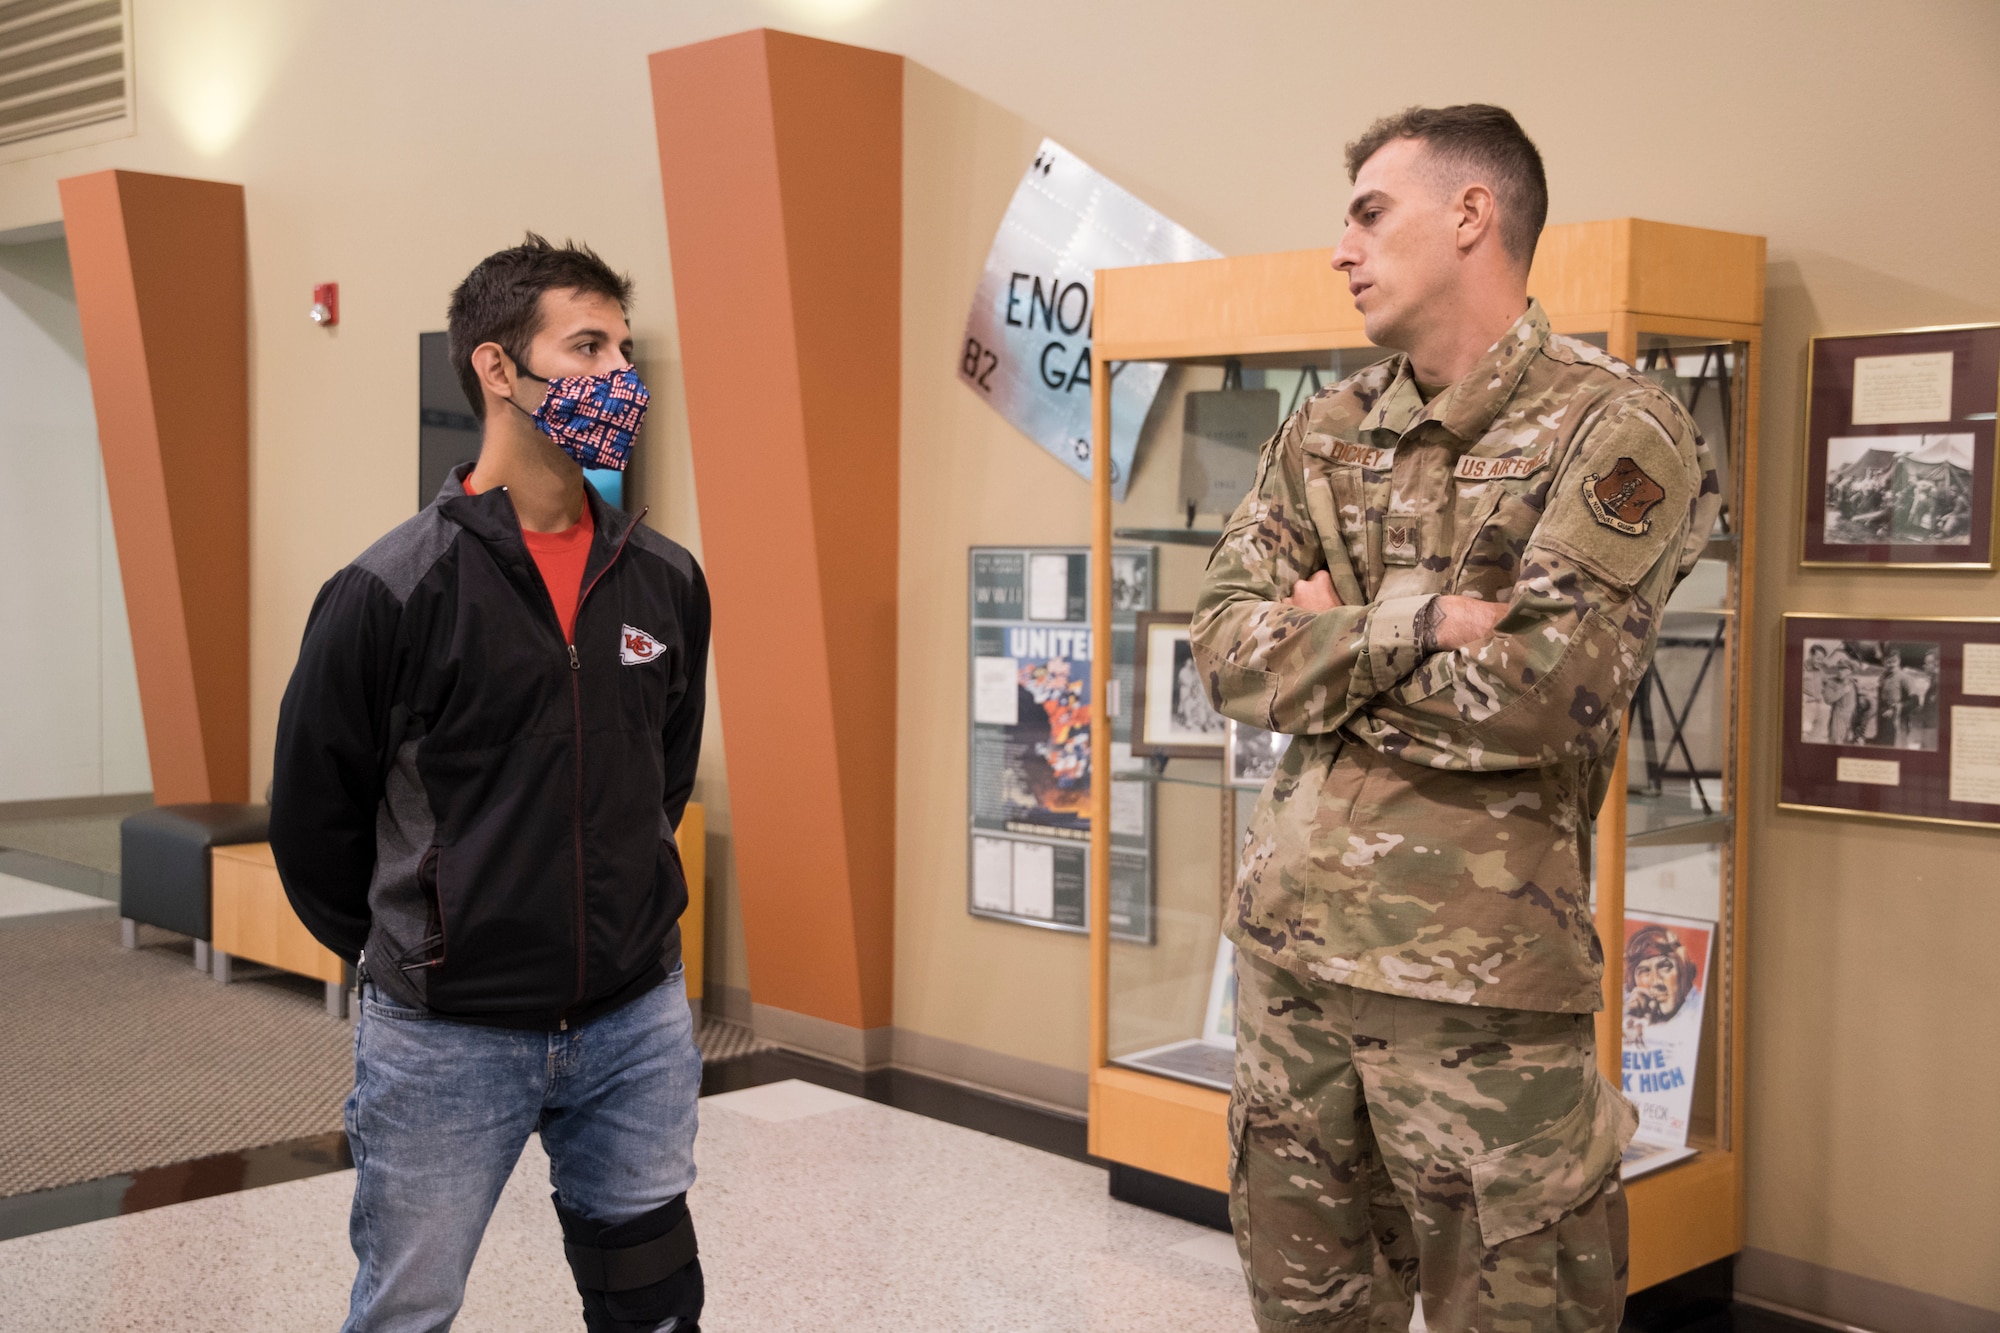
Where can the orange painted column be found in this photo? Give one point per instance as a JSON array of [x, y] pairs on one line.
[[162, 293], [781, 165]]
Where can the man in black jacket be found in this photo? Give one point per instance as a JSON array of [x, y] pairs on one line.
[[483, 753]]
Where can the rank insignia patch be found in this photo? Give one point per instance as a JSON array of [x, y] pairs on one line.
[[1623, 497], [1399, 543]]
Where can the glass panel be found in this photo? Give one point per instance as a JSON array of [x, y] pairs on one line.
[[1679, 784], [1680, 763], [1171, 1001]]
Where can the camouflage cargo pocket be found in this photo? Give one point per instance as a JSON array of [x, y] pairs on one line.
[[1526, 1186]]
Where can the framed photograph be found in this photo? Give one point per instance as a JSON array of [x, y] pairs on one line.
[[1170, 704], [1895, 717], [1250, 754], [1900, 448]]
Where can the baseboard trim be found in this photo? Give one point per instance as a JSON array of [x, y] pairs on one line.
[[1065, 1090], [857, 1048], [123, 803], [1176, 1198], [1840, 1300]]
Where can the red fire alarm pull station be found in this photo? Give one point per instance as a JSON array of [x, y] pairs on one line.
[[326, 304]]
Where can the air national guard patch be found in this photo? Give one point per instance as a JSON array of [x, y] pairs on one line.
[[1622, 497]]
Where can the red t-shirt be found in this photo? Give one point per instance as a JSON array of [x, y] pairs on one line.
[[560, 556]]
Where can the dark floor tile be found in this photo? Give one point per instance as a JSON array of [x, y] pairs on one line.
[[224, 1173]]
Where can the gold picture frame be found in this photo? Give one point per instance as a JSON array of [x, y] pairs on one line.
[[1884, 455], [1860, 689]]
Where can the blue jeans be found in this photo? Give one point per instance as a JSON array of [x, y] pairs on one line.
[[441, 1110]]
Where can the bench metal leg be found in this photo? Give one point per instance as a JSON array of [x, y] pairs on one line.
[[336, 999], [201, 959], [219, 966], [128, 932]]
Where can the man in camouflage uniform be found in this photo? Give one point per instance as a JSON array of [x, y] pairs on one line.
[[1446, 587]]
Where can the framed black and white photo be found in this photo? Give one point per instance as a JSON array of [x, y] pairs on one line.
[[1899, 449], [1250, 755], [1896, 717], [1171, 708]]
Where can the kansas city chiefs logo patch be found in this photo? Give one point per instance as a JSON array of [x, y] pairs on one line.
[[636, 646]]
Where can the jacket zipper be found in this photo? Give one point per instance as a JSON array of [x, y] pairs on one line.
[[576, 709]]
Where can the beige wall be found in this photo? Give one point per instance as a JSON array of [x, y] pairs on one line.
[[388, 146]]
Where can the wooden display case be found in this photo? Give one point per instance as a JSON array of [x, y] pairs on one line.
[[1682, 303]]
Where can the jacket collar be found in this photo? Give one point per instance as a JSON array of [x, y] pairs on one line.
[[1467, 406], [490, 515]]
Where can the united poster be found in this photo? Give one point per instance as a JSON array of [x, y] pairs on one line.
[[1030, 749]]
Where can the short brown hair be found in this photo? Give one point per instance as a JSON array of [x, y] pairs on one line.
[[1479, 141], [500, 301]]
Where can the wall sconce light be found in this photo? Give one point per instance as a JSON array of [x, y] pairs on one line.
[[326, 304]]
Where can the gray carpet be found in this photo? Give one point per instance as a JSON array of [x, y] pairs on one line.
[[112, 1061]]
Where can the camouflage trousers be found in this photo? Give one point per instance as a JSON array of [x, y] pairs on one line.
[[1382, 1146]]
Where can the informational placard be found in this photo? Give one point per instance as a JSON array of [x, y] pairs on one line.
[[1899, 390], [1222, 435], [1030, 746], [1027, 338]]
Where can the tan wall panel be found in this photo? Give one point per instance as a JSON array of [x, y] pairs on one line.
[[968, 479]]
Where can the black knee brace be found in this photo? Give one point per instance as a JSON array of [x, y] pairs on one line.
[[636, 1276]]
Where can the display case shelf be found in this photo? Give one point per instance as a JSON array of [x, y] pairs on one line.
[[1170, 536], [1684, 306]]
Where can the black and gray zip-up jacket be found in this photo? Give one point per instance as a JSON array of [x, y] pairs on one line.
[[484, 807]]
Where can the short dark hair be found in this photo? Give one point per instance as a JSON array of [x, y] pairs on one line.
[[1477, 140], [500, 301]]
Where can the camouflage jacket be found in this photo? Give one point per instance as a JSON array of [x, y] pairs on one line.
[[1428, 833]]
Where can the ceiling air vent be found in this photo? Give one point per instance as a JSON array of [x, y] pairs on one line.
[[63, 64]]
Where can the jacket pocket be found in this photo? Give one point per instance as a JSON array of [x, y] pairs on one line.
[[430, 950], [670, 877], [1526, 1186]]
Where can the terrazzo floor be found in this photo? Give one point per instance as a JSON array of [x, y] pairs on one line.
[[817, 1211]]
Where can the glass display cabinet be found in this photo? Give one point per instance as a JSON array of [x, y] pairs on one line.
[[1243, 341]]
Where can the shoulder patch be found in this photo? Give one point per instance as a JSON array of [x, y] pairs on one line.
[[1623, 497]]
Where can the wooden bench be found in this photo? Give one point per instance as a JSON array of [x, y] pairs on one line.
[[254, 921]]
